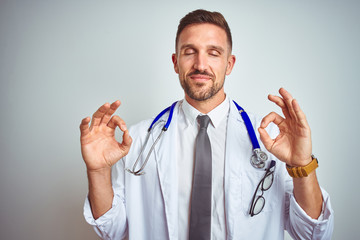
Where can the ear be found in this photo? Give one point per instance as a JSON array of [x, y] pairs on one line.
[[174, 60], [231, 63]]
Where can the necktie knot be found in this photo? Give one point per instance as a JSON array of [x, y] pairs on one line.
[[204, 121]]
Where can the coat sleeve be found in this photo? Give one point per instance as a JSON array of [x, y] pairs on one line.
[[297, 223], [301, 226], [113, 224]]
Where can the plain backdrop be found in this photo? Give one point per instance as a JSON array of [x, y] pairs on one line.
[[61, 60]]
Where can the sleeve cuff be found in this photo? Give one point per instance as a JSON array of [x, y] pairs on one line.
[[109, 215], [112, 224], [317, 228]]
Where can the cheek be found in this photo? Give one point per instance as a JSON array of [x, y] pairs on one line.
[[219, 68], [184, 67]]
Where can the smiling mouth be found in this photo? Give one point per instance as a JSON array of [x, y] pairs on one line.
[[200, 73], [200, 77]]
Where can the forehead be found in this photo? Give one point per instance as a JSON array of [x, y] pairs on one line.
[[203, 34]]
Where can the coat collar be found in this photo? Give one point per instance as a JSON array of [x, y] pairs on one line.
[[216, 115]]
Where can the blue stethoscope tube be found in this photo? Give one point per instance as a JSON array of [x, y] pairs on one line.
[[257, 159], [167, 124], [164, 129]]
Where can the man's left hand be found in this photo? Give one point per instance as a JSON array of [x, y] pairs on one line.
[[293, 144]]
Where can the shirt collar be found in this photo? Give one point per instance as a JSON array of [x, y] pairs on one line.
[[216, 115]]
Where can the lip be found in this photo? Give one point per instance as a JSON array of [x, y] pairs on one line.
[[200, 77]]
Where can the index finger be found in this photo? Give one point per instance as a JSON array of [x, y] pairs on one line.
[[271, 117], [84, 126]]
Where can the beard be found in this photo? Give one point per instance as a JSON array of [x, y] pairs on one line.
[[200, 91]]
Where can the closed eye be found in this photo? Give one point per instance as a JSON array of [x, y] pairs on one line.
[[189, 51], [214, 53]]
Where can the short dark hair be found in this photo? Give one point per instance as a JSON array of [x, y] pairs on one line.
[[203, 16]]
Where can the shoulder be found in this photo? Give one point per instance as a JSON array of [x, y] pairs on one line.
[[140, 127]]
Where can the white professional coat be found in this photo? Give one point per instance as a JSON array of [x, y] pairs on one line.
[[146, 207]]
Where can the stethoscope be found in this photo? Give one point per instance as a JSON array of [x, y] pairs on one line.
[[257, 159]]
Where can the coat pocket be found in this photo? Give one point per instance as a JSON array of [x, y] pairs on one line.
[[249, 183]]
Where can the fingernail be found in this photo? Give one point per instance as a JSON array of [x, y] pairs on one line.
[[123, 127]]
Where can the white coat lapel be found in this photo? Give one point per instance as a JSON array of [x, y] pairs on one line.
[[166, 163], [237, 144]]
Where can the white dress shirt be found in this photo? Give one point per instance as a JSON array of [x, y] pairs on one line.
[[187, 131]]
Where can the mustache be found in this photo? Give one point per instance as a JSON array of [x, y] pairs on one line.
[[197, 72]]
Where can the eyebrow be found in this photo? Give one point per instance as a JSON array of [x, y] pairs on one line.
[[187, 46], [218, 48]]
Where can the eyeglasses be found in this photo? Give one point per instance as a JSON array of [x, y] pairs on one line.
[[258, 201]]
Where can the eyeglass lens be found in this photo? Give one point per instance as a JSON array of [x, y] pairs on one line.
[[260, 200], [265, 184], [259, 205]]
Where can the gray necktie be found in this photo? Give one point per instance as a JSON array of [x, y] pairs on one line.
[[200, 214]]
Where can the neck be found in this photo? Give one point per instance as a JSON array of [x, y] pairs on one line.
[[207, 105]]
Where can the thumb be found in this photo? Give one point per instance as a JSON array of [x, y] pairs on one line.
[[126, 143], [127, 140], [265, 138]]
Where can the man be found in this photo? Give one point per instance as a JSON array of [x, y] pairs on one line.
[[160, 204]]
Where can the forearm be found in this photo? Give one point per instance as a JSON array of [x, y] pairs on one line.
[[308, 195], [100, 192]]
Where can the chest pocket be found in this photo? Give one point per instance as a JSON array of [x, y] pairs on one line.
[[249, 181]]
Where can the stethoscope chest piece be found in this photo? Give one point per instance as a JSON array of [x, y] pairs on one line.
[[258, 158]]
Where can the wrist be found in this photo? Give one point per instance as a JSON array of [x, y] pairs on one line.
[[104, 170], [303, 171], [303, 162], [99, 177]]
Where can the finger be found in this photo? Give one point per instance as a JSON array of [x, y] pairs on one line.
[[285, 94], [277, 100], [126, 143], [265, 138], [271, 117], [299, 113], [84, 126], [281, 103], [117, 121], [288, 101], [99, 114], [110, 112]]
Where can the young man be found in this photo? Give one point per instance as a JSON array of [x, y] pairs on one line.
[[168, 202]]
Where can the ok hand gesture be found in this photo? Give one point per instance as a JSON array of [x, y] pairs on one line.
[[293, 144], [99, 148]]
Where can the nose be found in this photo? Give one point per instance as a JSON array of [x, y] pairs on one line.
[[200, 62]]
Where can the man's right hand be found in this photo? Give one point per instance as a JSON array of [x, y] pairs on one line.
[[99, 148]]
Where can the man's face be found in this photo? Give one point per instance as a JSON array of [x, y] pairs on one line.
[[203, 58]]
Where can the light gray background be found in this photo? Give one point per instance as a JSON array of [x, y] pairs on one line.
[[60, 60]]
